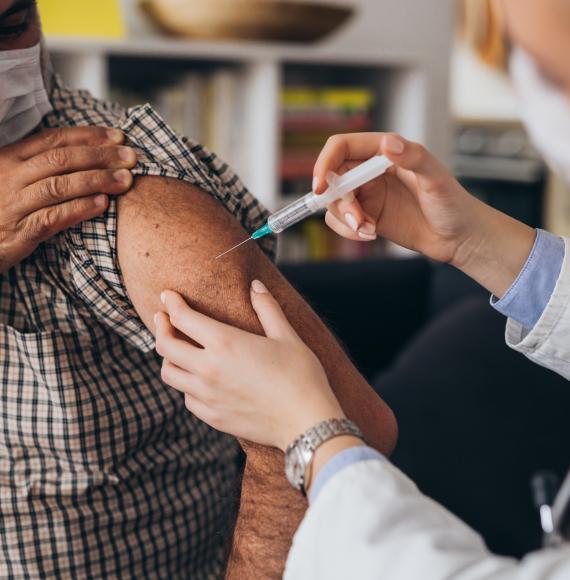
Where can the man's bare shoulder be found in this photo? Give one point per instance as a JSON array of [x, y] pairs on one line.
[[169, 234]]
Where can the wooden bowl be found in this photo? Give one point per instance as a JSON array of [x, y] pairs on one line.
[[274, 20]]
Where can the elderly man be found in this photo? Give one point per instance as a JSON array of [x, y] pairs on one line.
[[102, 473]]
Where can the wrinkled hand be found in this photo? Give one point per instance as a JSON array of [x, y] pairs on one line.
[[417, 203], [266, 389], [55, 180]]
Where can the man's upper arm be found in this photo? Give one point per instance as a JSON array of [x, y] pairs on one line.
[[169, 234]]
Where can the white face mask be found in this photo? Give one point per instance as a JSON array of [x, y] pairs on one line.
[[545, 111], [23, 98]]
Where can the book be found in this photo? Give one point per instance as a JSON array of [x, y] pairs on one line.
[[310, 115], [82, 18]]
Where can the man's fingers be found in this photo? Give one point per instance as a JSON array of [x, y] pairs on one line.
[[62, 188], [64, 160], [199, 327], [270, 314], [48, 222], [66, 137]]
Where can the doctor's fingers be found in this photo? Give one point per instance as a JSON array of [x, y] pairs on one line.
[[406, 154], [342, 149], [62, 188], [184, 381], [271, 316], [64, 137], [202, 411], [171, 347], [433, 176], [201, 328], [349, 210], [342, 229]]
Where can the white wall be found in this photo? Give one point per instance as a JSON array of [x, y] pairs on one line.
[[480, 92]]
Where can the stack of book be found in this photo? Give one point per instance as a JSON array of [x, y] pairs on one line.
[[205, 106], [310, 116]]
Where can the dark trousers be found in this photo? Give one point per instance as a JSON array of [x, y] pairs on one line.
[[476, 419]]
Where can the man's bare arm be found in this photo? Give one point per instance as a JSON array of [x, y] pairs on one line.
[[169, 235]]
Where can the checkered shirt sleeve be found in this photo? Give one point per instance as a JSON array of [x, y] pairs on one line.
[[161, 152]]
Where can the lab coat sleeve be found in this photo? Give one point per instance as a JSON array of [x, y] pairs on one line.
[[371, 522], [548, 342]]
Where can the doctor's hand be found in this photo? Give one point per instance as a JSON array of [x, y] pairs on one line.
[[55, 180], [265, 389], [418, 204]]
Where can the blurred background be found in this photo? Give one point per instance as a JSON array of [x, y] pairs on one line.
[[263, 84]]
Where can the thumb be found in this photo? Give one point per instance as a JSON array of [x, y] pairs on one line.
[[272, 318], [415, 157]]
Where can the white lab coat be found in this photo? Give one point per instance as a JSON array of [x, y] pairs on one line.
[[371, 522]]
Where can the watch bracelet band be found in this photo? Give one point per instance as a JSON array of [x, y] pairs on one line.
[[324, 431]]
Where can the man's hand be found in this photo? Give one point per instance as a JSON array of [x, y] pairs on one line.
[[55, 180]]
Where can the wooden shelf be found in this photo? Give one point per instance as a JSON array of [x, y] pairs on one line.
[[161, 47]]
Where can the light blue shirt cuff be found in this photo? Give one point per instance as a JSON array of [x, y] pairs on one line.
[[530, 293], [339, 462]]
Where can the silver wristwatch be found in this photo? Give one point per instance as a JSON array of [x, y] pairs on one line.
[[299, 455]]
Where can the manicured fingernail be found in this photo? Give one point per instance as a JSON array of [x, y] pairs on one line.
[[368, 229], [163, 297], [156, 319], [259, 287], [394, 145], [122, 176], [115, 136], [101, 200], [367, 237], [315, 183], [127, 154], [351, 221]]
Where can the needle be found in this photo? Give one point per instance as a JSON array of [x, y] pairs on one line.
[[234, 248]]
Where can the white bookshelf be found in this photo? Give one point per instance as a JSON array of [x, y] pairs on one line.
[[409, 70]]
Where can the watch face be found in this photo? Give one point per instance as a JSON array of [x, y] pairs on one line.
[[295, 467]]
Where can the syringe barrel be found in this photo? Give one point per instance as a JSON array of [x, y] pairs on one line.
[[292, 214], [341, 185]]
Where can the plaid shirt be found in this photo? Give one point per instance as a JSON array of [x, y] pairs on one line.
[[102, 472]]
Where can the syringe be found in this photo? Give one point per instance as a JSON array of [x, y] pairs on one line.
[[310, 204]]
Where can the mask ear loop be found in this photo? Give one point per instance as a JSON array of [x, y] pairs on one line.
[[47, 66]]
